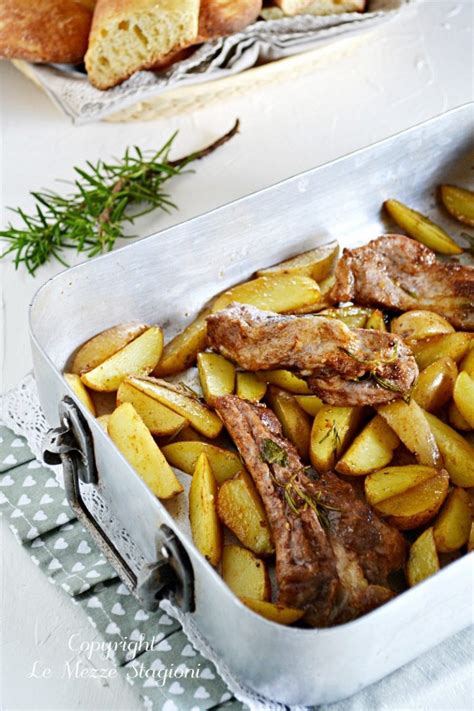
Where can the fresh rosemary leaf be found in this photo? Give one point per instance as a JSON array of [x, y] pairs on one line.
[[105, 196], [272, 453]]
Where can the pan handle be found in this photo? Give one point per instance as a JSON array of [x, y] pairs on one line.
[[171, 575]]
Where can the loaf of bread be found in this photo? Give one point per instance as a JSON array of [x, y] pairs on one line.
[[129, 35], [218, 18], [320, 7], [45, 30]]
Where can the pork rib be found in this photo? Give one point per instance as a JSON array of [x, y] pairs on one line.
[[344, 366], [398, 273], [333, 554]]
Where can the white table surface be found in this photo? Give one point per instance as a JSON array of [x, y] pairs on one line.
[[414, 68]]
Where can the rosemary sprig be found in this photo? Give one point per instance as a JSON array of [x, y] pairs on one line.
[[372, 369], [105, 196], [332, 432]]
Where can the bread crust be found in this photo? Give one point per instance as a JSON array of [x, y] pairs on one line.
[[47, 31], [218, 18]]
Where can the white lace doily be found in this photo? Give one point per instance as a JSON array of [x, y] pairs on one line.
[[261, 42]]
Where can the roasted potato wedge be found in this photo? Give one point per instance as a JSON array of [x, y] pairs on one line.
[[181, 352], [205, 524], [333, 429], [408, 421], [317, 263], [421, 228], [435, 384], [160, 420], [133, 439], [273, 612], [240, 508], [78, 388], [408, 496], [450, 345], [138, 357], [456, 419], [453, 523], [284, 379], [184, 455], [470, 542], [296, 424], [423, 558], [250, 387], [309, 403], [181, 401], [457, 453], [463, 395], [103, 421], [245, 574], [459, 203], [104, 345], [279, 293], [217, 376], [372, 449], [376, 321], [352, 316], [467, 363], [413, 325]]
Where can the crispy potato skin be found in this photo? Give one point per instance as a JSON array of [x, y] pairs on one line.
[[295, 423], [372, 449], [408, 421], [185, 455], [435, 384], [421, 228], [160, 420], [453, 525], [457, 453], [273, 612], [217, 376], [77, 386], [104, 345], [420, 324], [333, 429], [459, 203]]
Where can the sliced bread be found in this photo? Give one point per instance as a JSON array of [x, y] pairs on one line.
[[320, 7]]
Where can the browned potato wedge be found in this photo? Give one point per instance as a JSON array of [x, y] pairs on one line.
[[103, 421], [352, 316], [456, 419], [245, 574], [409, 422], [249, 387], [458, 454], [434, 387], [453, 523], [372, 449], [325, 286], [451, 345], [333, 429], [421, 228], [77, 386], [309, 403], [376, 321], [132, 437], [183, 402], [279, 293], [467, 363], [413, 325], [459, 203], [470, 543], [181, 352], [284, 379], [184, 455], [205, 524], [273, 612], [463, 395], [138, 357], [317, 263], [217, 376], [160, 420], [295, 423], [187, 434], [423, 559], [240, 508], [104, 345], [408, 496]]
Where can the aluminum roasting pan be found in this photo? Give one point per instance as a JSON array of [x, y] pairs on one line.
[[165, 279]]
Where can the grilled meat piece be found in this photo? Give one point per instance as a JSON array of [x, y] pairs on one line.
[[333, 553], [398, 273], [344, 366]]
